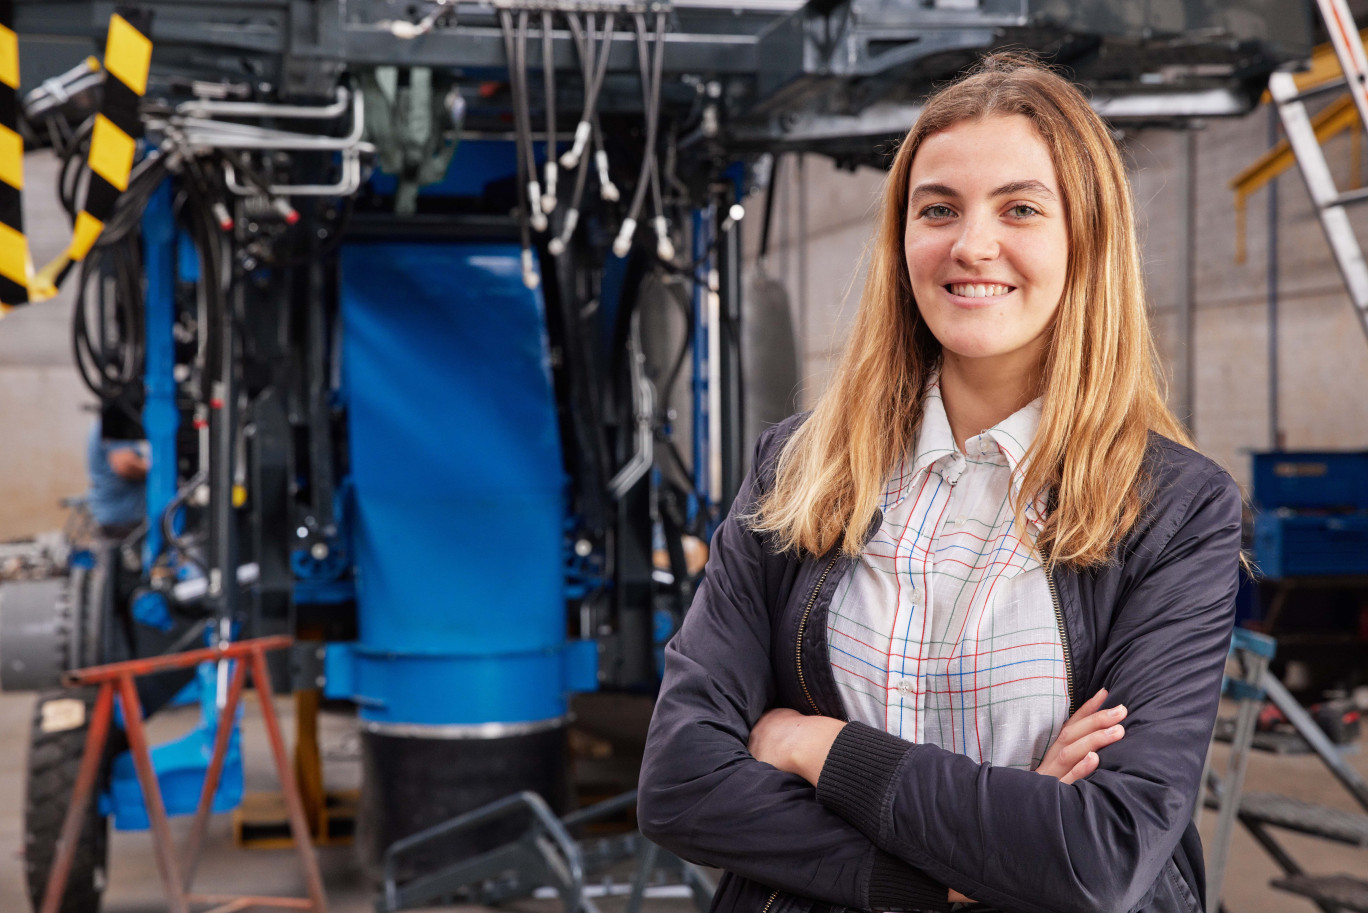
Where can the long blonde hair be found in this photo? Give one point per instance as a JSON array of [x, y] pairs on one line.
[[1099, 378]]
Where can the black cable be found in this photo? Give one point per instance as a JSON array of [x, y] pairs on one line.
[[549, 88], [667, 388], [523, 122], [524, 228], [777, 158], [667, 250], [584, 48], [650, 91], [591, 92], [607, 189]]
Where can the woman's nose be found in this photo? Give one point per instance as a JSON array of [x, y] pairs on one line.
[[977, 241]]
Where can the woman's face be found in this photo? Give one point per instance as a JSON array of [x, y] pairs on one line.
[[986, 241]]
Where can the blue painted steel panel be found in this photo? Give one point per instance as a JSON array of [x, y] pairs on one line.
[[457, 477]]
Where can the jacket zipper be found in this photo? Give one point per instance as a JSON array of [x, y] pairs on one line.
[[769, 903], [798, 651], [1063, 633]]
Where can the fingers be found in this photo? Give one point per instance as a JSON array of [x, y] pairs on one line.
[[1089, 730], [1081, 724], [1076, 752], [1082, 768], [1090, 706]]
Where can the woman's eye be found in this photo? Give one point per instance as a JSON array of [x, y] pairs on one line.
[[937, 211], [1024, 210]]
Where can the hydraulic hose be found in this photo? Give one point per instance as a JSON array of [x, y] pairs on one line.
[[650, 88], [591, 92], [549, 88], [584, 48], [530, 278]]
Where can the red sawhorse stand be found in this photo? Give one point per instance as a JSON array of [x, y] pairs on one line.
[[178, 878]]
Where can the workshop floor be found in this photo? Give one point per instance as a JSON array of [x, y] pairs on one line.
[[134, 885]]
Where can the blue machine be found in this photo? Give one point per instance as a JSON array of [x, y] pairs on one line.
[[452, 427], [1311, 513], [181, 763]]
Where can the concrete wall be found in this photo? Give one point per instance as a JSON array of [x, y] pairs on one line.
[[1323, 355], [822, 221], [42, 401]]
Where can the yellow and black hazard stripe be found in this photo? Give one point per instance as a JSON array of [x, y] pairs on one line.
[[113, 146], [114, 139], [15, 266]]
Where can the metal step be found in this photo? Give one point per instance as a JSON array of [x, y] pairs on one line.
[[1341, 891], [1306, 818]]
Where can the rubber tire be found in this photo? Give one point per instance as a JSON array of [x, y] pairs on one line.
[[54, 759]]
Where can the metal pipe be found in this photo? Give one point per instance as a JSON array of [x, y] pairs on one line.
[[222, 733], [346, 185], [147, 776], [800, 246], [261, 109], [294, 805], [197, 131], [702, 226], [1183, 361], [1275, 436]]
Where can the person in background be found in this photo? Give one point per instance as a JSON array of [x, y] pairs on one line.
[[118, 474]]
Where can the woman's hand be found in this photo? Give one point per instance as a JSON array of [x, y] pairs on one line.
[[794, 743], [1074, 753]]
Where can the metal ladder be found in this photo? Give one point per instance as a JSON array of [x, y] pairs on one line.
[[1250, 685], [1331, 205]]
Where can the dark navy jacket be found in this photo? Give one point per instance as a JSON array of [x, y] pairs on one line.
[[891, 824]]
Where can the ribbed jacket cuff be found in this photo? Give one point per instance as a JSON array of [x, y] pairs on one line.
[[856, 775], [896, 886]]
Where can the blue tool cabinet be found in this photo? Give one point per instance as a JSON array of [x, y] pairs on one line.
[[1311, 513]]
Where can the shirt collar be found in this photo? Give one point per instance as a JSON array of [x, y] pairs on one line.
[[936, 448]]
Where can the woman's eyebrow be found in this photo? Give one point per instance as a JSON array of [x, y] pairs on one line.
[[931, 190], [1006, 190], [1031, 187]]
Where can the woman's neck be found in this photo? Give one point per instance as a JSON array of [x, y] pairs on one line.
[[979, 393]]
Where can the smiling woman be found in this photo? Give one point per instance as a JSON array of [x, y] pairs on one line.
[[987, 251], [903, 681]]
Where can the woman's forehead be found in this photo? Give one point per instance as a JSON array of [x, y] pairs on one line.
[[994, 150]]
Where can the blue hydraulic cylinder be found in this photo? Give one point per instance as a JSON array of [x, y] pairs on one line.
[[458, 508], [160, 418], [702, 329]]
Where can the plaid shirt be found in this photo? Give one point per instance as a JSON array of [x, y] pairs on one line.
[[946, 632]]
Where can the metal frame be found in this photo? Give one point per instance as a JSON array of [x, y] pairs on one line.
[[545, 854], [178, 877]]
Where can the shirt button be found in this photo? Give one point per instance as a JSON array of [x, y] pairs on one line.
[[907, 687], [914, 598]]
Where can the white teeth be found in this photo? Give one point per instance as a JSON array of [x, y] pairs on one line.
[[979, 291]]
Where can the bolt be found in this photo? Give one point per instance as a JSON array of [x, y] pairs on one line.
[[319, 551], [302, 532], [583, 547]]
